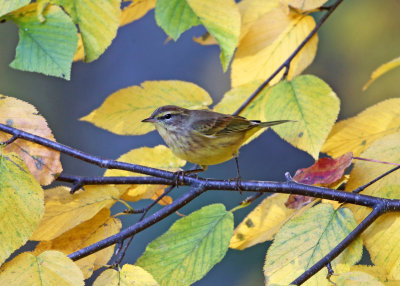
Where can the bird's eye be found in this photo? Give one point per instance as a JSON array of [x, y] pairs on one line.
[[167, 116]]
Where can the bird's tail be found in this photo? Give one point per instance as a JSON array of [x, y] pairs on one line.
[[271, 123]]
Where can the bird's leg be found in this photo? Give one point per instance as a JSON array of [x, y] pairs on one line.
[[178, 174], [238, 179]]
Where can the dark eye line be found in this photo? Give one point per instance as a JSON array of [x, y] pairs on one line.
[[166, 116]]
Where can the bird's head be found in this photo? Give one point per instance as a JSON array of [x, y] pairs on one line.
[[169, 117]]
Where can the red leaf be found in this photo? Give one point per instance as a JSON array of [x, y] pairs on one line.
[[323, 172]]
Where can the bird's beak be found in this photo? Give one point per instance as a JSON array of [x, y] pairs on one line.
[[152, 120]]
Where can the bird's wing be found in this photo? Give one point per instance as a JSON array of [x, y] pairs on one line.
[[221, 125]]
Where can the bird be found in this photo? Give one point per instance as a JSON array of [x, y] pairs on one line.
[[204, 137]]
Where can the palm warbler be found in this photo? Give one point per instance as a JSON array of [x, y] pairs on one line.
[[204, 137]]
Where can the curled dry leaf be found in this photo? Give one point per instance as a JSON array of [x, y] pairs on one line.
[[324, 172], [41, 161]]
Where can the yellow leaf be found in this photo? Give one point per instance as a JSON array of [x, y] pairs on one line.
[[91, 231], [80, 52], [247, 67], [42, 162], [382, 70], [65, 211], [355, 278], [358, 275], [304, 240], [251, 10], [305, 5], [130, 13], [127, 276], [123, 111], [311, 102], [378, 238], [263, 222], [98, 22], [136, 10], [375, 271], [21, 200], [48, 268], [357, 133], [222, 20], [263, 32], [385, 149], [157, 157]]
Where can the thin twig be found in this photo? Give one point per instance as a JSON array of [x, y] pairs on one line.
[[251, 199], [290, 58], [125, 244], [9, 141], [359, 189]]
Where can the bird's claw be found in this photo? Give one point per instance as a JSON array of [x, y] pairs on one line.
[[179, 176]]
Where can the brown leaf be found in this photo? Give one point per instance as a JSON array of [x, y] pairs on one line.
[[41, 161], [324, 172]]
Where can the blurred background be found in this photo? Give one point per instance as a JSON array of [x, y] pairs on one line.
[[356, 39]]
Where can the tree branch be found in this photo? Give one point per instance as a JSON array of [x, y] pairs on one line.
[[286, 64], [81, 181], [94, 160], [200, 185]]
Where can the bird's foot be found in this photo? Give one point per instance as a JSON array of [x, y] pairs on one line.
[[179, 176]]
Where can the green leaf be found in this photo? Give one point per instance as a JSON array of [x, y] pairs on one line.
[[6, 6], [311, 102], [222, 19], [175, 17], [46, 47], [123, 111], [98, 22], [190, 248], [21, 204], [304, 240]]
